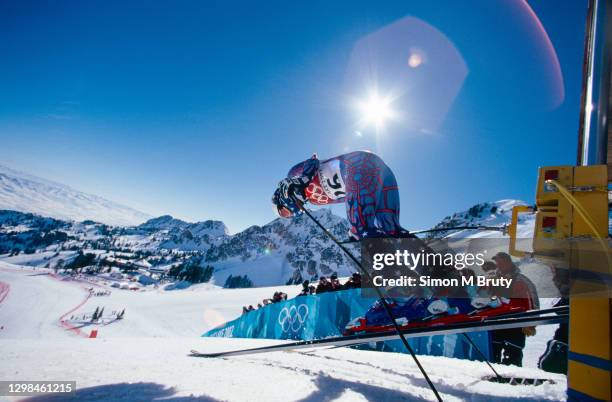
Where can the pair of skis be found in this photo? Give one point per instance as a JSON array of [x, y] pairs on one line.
[[530, 318], [394, 334]]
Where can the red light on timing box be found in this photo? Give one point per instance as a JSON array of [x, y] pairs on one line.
[[551, 175], [549, 224]]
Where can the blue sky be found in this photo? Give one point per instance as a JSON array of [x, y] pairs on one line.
[[197, 109]]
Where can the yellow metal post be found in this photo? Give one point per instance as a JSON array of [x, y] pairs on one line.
[[590, 360], [572, 203]]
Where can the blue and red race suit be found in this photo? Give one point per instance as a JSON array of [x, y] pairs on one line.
[[359, 179]]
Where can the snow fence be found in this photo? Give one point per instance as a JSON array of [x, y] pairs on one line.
[[325, 315]]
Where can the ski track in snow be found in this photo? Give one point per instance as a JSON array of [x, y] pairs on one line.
[[4, 291], [145, 356]]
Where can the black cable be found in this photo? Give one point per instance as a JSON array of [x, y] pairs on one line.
[[497, 228], [500, 228]]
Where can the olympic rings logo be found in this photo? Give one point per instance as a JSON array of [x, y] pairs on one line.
[[293, 318], [316, 194]]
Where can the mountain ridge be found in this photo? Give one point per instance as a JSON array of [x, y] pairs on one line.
[[283, 251], [20, 191]]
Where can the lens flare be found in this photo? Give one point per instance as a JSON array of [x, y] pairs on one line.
[[416, 58], [212, 318]]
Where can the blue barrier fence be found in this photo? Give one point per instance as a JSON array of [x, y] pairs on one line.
[[324, 315]]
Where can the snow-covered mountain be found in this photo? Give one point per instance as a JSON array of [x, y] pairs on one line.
[[490, 214], [198, 229], [26, 193], [284, 251]]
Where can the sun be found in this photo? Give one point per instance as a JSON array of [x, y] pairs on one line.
[[376, 110]]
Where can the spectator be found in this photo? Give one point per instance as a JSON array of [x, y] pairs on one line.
[[277, 297], [489, 268], [490, 271], [323, 286], [508, 344], [354, 281], [306, 289], [334, 282]]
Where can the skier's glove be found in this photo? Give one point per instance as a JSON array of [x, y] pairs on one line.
[[293, 188]]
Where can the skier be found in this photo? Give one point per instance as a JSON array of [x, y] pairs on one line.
[[360, 180]]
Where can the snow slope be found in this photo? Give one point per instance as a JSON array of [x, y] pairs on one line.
[[152, 313], [32, 307], [26, 193], [144, 356], [149, 369]]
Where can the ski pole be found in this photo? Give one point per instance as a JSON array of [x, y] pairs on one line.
[[484, 358], [380, 295], [482, 355], [502, 229], [477, 349]]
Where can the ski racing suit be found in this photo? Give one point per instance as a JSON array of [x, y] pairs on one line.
[[360, 180]]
